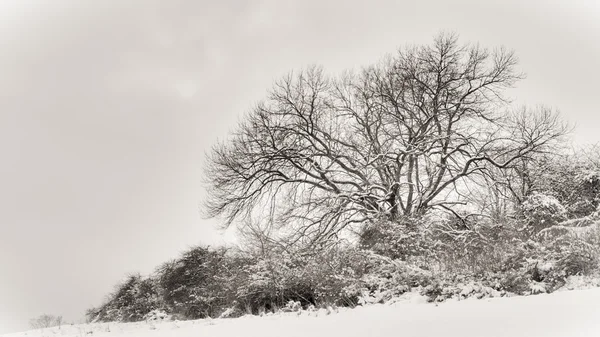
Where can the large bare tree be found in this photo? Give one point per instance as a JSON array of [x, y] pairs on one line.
[[394, 141]]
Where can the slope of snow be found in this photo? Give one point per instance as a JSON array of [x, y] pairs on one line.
[[568, 314]]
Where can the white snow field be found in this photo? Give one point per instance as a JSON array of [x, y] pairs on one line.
[[567, 314]]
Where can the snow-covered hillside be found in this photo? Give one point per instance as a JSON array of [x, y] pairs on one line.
[[568, 314]]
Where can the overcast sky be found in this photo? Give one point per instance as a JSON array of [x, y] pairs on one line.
[[107, 109]]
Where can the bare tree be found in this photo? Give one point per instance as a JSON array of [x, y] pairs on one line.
[[45, 321], [398, 139], [501, 190]]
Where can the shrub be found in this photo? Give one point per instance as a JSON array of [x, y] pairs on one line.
[[194, 285], [273, 281], [132, 301], [385, 278], [45, 321], [542, 211], [574, 180], [397, 240]]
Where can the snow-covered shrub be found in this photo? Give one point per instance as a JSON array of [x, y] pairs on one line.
[[443, 289], [271, 282], [264, 283], [478, 290], [549, 260], [542, 211], [45, 321], [586, 196], [573, 179], [157, 315], [292, 306], [197, 284], [576, 257], [537, 287], [582, 282], [439, 291], [514, 281], [475, 246], [571, 248], [386, 279], [232, 312], [132, 301], [397, 240]]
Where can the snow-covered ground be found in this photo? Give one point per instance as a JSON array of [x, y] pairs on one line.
[[567, 313]]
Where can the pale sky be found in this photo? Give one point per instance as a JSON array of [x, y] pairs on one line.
[[107, 108]]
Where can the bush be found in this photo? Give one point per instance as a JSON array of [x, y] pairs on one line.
[[400, 240], [271, 282], [45, 321], [132, 301], [574, 180], [542, 211], [195, 285], [388, 278], [157, 315]]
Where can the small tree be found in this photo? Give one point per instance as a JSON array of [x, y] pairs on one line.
[[46, 321]]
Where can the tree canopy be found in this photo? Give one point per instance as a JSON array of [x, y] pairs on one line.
[[392, 141]]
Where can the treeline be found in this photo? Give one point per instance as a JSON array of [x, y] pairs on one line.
[[205, 282], [554, 234]]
